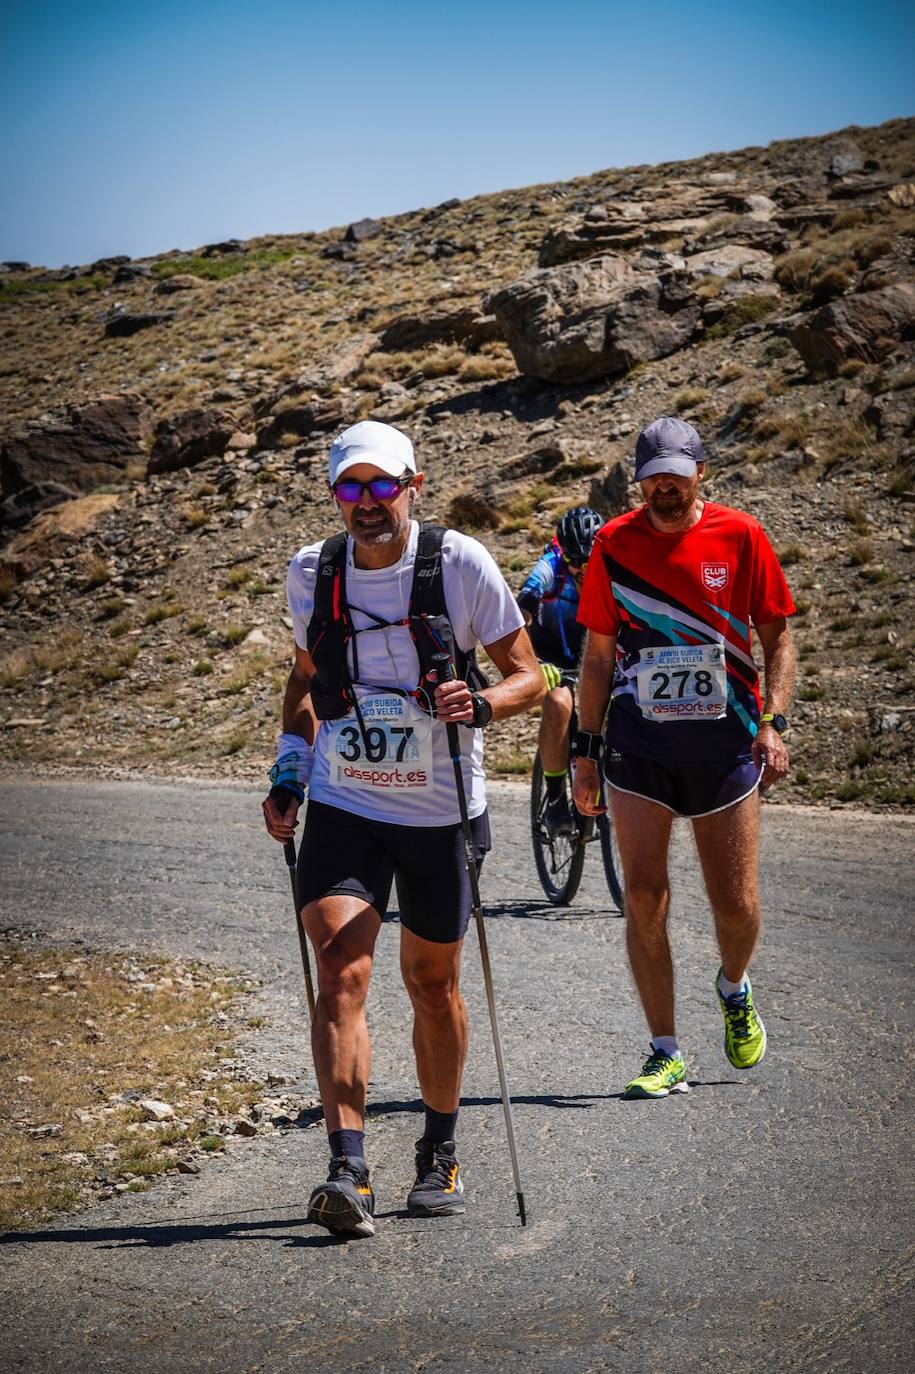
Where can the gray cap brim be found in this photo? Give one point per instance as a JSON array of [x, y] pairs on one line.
[[680, 467]]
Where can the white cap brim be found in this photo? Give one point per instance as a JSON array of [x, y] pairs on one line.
[[393, 467]]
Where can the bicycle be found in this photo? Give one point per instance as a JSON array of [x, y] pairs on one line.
[[560, 858]]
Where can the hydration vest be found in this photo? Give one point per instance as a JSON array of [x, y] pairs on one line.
[[331, 630]]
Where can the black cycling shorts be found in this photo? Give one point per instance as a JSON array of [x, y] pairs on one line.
[[686, 789], [347, 855]]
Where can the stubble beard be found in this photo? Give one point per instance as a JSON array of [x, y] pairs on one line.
[[385, 531], [670, 506]]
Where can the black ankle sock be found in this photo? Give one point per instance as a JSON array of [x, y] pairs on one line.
[[439, 1126], [555, 787], [351, 1143]]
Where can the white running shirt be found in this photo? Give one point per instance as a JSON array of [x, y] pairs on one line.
[[410, 778]]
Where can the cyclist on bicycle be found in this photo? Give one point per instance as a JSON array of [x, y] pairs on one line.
[[549, 602]]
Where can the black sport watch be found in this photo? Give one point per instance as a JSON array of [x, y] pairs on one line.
[[776, 720], [482, 711]]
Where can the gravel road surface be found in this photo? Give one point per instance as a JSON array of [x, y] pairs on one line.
[[764, 1220]]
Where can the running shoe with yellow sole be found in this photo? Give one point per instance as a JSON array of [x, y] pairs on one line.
[[744, 1032], [438, 1190], [345, 1204], [661, 1075]]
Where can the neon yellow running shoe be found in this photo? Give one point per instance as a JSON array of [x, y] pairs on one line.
[[661, 1074], [744, 1032]]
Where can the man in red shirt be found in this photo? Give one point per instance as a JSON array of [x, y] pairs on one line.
[[671, 593]]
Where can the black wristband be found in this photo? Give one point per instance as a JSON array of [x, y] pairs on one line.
[[588, 746], [283, 797]]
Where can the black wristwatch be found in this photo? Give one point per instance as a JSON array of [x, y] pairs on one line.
[[482, 711], [776, 720]]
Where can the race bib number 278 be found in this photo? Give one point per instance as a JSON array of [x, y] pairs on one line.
[[683, 682]]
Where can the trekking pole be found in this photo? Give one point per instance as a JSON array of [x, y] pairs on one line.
[[445, 671], [289, 851]]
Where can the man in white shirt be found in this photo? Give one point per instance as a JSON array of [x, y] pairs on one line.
[[383, 801]]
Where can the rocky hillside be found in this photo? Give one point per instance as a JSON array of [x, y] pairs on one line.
[[165, 423]]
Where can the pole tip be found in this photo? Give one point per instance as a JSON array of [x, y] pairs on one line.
[[522, 1210]]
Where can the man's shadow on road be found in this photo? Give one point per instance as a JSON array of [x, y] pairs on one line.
[[161, 1235]]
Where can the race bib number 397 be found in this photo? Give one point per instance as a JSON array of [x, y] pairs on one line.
[[683, 682], [391, 751]]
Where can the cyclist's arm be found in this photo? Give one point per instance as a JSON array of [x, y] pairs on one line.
[[539, 583]]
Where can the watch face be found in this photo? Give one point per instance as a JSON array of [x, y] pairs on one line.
[[482, 710]]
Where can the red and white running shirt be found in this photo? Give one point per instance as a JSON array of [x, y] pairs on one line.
[[686, 687]]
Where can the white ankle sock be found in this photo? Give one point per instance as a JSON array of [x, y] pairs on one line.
[[728, 988], [667, 1044]]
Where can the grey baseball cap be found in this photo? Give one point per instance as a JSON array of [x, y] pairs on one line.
[[668, 445]]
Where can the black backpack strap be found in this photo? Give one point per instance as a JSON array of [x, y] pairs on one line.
[[427, 595], [330, 581], [428, 614], [328, 631]]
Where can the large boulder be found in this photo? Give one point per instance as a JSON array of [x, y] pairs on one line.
[[188, 438], [71, 451], [861, 326], [593, 319]]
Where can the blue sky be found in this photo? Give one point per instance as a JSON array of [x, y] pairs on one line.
[[135, 128]]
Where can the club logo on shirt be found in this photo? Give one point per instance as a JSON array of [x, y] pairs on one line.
[[715, 576]]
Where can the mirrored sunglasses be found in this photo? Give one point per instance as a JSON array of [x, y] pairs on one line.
[[381, 488]]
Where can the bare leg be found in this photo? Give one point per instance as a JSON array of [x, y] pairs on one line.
[[554, 729], [430, 973], [728, 845], [643, 835], [343, 931]]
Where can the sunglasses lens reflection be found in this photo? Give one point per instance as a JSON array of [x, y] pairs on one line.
[[381, 488]]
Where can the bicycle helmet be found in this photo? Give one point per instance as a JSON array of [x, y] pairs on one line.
[[575, 533]]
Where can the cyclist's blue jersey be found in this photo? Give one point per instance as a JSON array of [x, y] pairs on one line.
[[550, 596]]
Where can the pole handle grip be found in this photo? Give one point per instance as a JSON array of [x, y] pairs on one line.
[[444, 668]]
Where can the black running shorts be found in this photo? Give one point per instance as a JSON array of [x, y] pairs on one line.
[[686, 789], [351, 856]]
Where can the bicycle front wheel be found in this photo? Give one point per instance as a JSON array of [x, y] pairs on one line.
[[560, 858], [610, 854]]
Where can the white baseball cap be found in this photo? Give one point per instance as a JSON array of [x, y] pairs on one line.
[[372, 442]]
